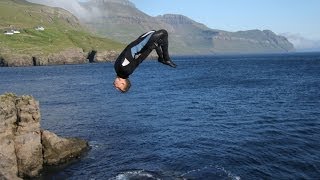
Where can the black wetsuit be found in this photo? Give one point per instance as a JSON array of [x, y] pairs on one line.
[[138, 50]]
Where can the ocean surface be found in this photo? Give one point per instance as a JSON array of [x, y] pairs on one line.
[[213, 117]]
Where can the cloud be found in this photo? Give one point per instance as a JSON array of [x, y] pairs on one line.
[[301, 43], [72, 6]]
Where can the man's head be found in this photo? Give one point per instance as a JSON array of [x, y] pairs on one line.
[[121, 84]]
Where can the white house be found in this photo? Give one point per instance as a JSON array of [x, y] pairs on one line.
[[8, 32], [11, 32], [40, 28]]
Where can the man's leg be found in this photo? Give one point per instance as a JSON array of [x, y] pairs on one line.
[[143, 55], [159, 42]]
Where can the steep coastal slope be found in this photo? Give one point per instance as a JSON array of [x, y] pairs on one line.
[[63, 36], [122, 21]]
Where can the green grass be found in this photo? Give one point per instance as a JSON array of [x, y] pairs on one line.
[[62, 30]]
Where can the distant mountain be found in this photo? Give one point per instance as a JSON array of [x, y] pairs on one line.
[[122, 21], [119, 19]]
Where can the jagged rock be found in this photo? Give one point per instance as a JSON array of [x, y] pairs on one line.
[[27, 137], [8, 117], [3, 63], [16, 60], [40, 60], [21, 146], [58, 150]]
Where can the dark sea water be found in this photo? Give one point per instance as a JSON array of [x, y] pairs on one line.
[[214, 117]]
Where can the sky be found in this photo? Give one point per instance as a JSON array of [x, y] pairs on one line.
[[294, 17]]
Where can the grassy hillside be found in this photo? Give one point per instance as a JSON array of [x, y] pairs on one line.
[[62, 30]]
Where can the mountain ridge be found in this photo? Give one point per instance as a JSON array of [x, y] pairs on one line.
[[125, 22]]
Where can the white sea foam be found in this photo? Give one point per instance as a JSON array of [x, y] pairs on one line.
[[215, 169], [136, 174]]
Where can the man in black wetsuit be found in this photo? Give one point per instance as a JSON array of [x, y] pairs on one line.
[[136, 52]]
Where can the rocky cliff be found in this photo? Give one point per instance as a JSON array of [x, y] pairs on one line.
[[68, 56], [24, 147]]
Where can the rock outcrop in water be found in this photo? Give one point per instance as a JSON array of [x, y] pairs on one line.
[[24, 147]]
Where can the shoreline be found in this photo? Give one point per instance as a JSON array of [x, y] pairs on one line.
[[68, 56], [75, 56]]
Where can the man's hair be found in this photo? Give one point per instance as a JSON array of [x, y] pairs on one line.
[[127, 87]]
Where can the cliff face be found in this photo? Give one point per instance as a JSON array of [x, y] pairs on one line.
[[178, 20], [24, 147], [68, 56], [251, 41]]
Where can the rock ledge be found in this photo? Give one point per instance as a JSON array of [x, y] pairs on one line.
[[24, 147]]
